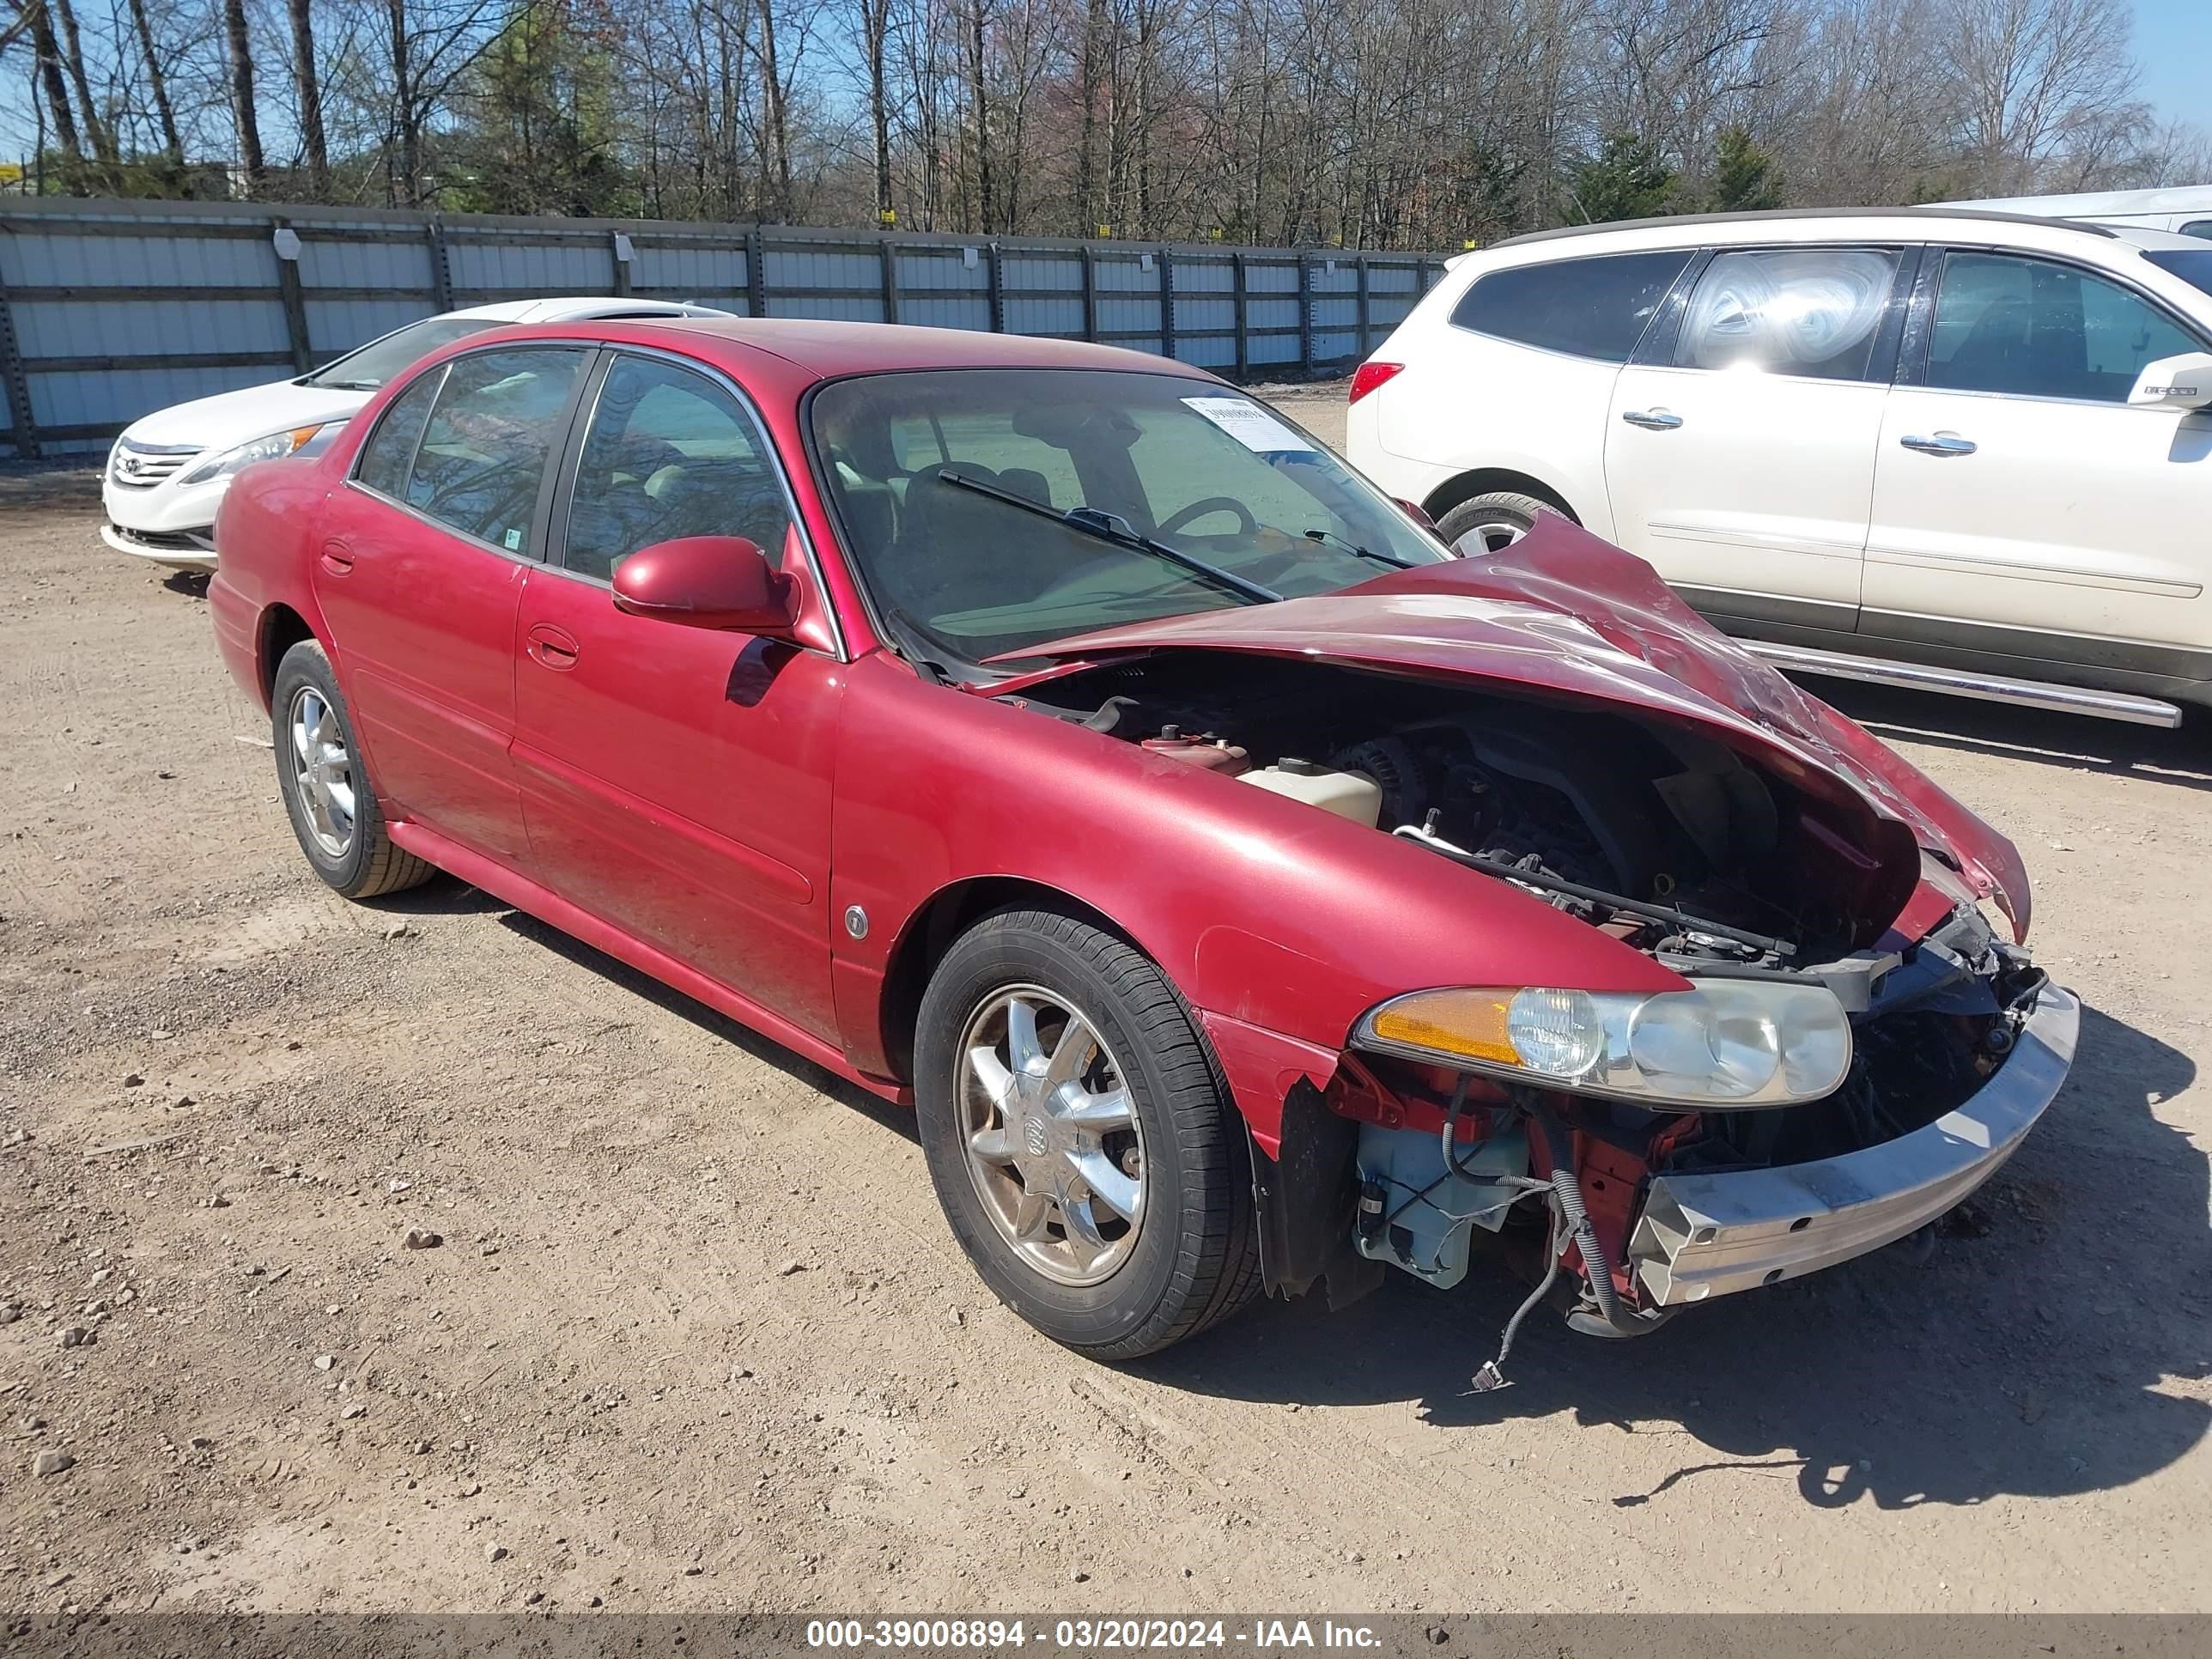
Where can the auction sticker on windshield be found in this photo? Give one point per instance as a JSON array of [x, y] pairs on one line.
[[1249, 424]]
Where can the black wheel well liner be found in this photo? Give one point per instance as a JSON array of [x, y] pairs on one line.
[[1483, 481], [929, 932], [282, 628]]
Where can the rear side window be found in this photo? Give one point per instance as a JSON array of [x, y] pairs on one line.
[[1812, 313], [390, 450], [484, 452], [2034, 328], [2192, 267], [1596, 307]]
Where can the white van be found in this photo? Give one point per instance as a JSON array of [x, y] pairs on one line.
[[1945, 448], [2185, 211]]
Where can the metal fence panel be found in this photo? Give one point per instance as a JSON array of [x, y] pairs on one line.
[[111, 309]]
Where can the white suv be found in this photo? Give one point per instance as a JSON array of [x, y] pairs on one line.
[[167, 473], [1948, 448]]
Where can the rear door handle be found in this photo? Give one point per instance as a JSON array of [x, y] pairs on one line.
[[337, 558], [554, 648], [1652, 420], [1943, 443]]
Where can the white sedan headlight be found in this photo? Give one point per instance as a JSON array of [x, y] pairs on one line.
[[1725, 1044], [298, 441]]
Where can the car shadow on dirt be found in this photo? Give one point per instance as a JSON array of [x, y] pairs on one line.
[[2025, 1356], [447, 896]]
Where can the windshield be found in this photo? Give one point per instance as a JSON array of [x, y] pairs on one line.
[[368, 368], [1201, 470], [2192, 267]]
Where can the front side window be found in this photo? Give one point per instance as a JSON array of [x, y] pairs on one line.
[[2033, 329], [2198, 227], [484, 450], [670, 454], [379, 361], [944, 482], [1597, 307], [1813, 313]]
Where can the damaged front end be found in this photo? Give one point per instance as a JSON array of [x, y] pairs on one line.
[[1957, 1045], [1846, 1049]]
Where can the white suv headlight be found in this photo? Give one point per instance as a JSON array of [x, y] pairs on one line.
[[298, 441], [1723, 1045]]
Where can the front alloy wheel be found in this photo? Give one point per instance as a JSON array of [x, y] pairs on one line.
[[1080, 1137], [1054, 1148]]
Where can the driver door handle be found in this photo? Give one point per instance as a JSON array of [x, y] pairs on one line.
[[1943, 443], [1652, 420]]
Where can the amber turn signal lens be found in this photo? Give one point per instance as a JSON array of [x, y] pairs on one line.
[[1471, 1024]]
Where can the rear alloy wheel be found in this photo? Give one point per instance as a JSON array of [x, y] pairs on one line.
[[1490, 523], [325, 785], [1080, 1138]]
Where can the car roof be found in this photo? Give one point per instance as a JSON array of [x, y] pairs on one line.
[[572, 308], [2172, 199], [829, 350], [2158, 241], [1918, 222]]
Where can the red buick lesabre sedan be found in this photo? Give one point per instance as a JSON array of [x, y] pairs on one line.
[[1248, 891]]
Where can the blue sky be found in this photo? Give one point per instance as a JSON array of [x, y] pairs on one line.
[[2173, 44]]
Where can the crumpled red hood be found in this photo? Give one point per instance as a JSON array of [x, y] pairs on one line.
[[1563, 612]]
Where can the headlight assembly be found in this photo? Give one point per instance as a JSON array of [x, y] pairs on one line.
[[298, 441], [1723, 1045]]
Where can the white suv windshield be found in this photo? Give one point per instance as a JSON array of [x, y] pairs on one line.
[[368, 368], [952, 486]]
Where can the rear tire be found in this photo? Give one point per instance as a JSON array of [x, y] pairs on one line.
[[1122, 1091], [325, 784], [1501, 518]]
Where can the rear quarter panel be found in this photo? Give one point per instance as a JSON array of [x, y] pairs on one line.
[[261, 534]]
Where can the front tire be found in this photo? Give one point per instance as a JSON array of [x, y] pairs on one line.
[[1080, 1137], [325, 784], [1490, 523]]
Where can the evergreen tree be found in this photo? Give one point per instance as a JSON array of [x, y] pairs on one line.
[[1745, 178], [1625, 180]]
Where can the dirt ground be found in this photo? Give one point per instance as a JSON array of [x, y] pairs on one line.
[[697, 1338]]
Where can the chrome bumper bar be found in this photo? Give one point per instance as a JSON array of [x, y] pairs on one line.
[[1703, 1236], [1964, 683]]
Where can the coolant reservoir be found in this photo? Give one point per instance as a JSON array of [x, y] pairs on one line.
[[1352, 795]]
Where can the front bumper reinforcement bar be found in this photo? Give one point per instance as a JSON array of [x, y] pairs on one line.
[[1702, 1235]]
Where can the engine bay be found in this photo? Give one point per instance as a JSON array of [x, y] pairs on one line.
[[1660, 837]]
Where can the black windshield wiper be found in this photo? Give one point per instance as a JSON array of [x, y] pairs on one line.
[[1326, 537], [1107, 527]]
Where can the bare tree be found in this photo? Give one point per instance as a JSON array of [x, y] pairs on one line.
[[157, 86], [243, 109], [2030, 76], [309, 86]]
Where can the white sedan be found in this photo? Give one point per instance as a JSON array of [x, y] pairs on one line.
[[167, 473]]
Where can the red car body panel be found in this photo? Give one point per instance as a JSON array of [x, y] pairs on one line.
[[710, 807]]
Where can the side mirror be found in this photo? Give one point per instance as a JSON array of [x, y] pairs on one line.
[[2178, 382], [706, 581], [1416, 512]]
